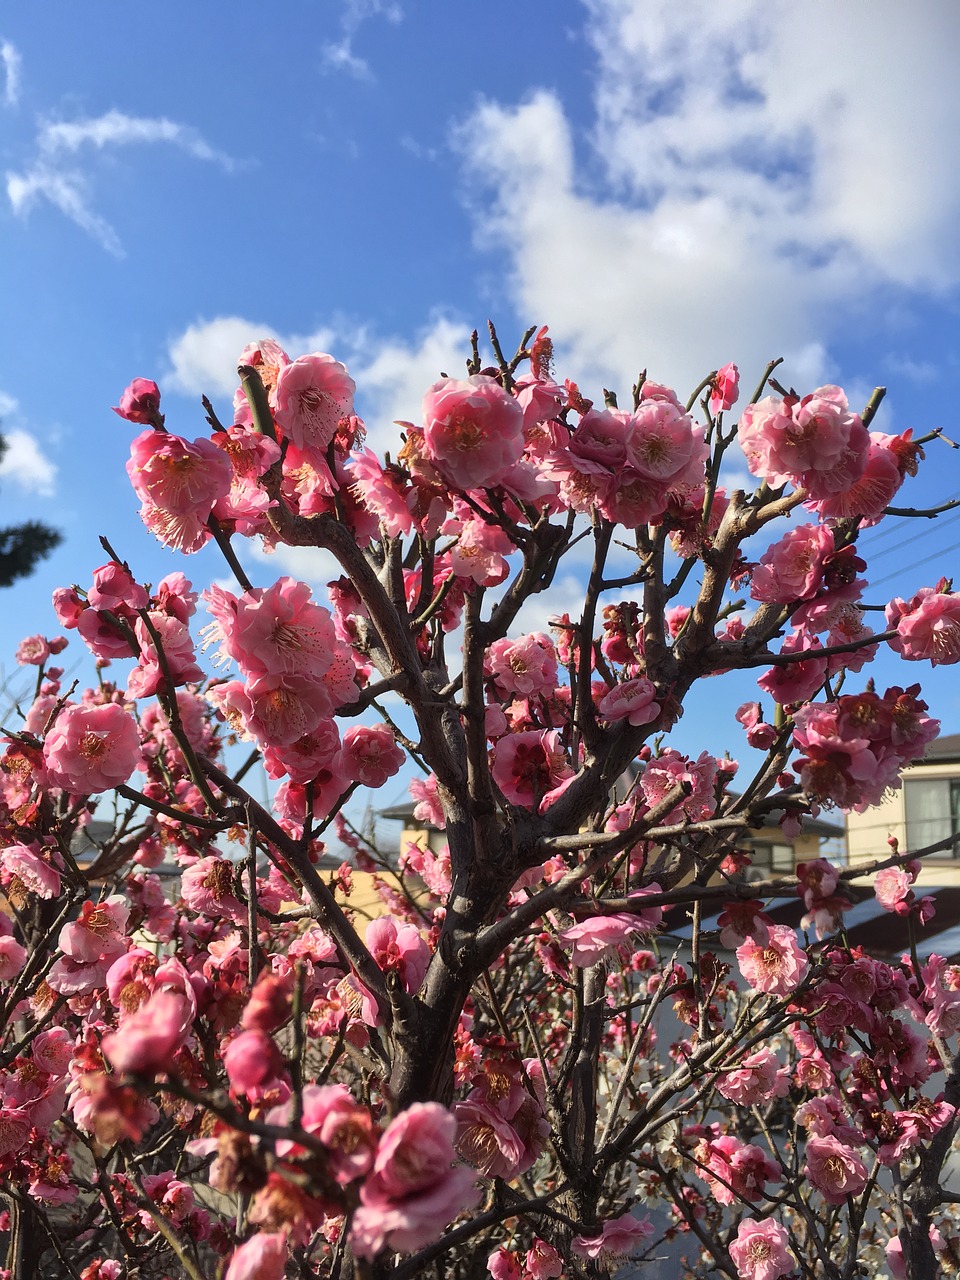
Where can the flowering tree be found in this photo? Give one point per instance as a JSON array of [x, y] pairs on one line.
[[510, 1070]]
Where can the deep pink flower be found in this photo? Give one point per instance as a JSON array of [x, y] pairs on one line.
[[777, 966], [725, 388], [415, 1188], [114, 588], [665, 446], [251, 1061], [758, 1078], [313, 394], [148, 1039], [473, 430], [140, 402], [761, 1250], [91, 749], [503, 1264], [179, 477], [530, 768], [792, 569]]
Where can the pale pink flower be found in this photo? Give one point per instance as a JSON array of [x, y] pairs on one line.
[[759, 735], [597, 937], [52, 1050], [277, 630], [543, 1262], [13, 957], [664, 445], [148, 676], [480, 553], [761, 1250], [618, 1238], [630, 700], [313, 394], [414, 1190], [140, 402], [486, 1139], [792, 569], [178, 477], [777, 966], [370, 754], [32, 651], [725, 388], [15, 1126], [799, 680], [33, 871], [473, 430], [893, 887], [208, 886], [279, 709], [91, 749], [734, 1169], [757, 1079], [262, 1257], [525, 666], [305, 758], [383, 492], [330, 1114], [99, 930], [834, 1169], [601, 436], [928, 626], [428, 807]]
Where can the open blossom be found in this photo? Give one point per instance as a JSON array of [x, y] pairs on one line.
[[792, 568], [148, 1039], [34, 872], [618, 1238], [598, 936], [834, 1169], [758, 1078], [524, 666], [927, 627], [313, 393], [415, 1188], [761, 1250], [725, 388], [473, 430], [262, 1257], [91, 749], [531, 767], [777, 966], [179, 477], [371, 754]]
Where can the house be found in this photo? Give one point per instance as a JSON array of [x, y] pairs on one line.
[[924, 811]]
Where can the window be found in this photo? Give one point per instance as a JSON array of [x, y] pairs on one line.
[[933, 812]]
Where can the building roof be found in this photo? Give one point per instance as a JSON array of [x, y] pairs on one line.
[[946, 747]]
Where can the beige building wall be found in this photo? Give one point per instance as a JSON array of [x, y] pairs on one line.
[[868, 832]]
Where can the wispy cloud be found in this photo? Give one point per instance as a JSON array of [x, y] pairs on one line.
[[11, 61], [339, 55], [56, 176], [23, 460]]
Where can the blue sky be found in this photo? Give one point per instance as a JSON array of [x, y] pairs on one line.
[[669, 186]]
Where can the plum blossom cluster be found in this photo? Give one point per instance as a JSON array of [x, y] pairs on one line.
[[516, 1046]]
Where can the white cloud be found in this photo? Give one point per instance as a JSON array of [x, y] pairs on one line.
[[339, 55], [25, 463], [11, 61], [391, 374], [54, 175], [753, 170]]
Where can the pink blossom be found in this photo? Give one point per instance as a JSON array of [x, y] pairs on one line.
[[399, 948], [313, 394], [473, 431], [99, 930], [15, 1126], [148, 1039], [262, 1257], [724, 389], [758, 1078], [761, 1250], [179, 657], [866, 498], [630, 700], [834, 1169], [251, 1061], [371, 754], [208, 887], [414, 1190], [543, 1262], [792, 569], [114, 588], [734, 1169], [32, 651], [486, 1139], [91, 749], [428, 807], [759, 735], [13, 957], [593, 939], [178, 477], [480, 553], [530, 768], [503, 1264], [277, 630], [36, 875], [664, 445], [928, 626], [777, 966], [525, 666], [618, 1238], [140, 402]]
